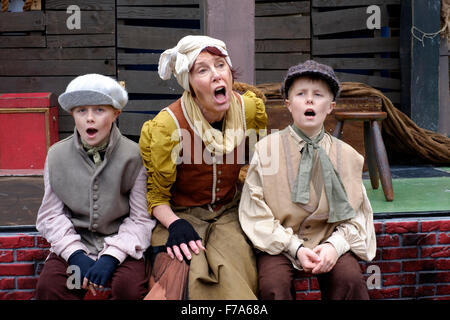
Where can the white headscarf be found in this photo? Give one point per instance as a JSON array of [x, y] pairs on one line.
[[179, 59]]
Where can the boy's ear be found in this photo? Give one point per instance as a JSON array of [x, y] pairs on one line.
[[288, 104], [332, 106]]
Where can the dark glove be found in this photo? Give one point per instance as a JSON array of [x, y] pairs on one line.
[[80, 259], [181, 231], [102, 270]]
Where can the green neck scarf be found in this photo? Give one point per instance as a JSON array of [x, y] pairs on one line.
[[95, 151], [340, 208]]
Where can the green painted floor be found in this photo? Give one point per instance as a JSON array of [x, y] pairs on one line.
[[412, 195]]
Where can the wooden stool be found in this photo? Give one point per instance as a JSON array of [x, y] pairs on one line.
[[376, 156]]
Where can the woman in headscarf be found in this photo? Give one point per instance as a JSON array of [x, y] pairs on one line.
[[193, 151]]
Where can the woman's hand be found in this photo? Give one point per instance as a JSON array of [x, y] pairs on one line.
[[180, 233], [178, 248]]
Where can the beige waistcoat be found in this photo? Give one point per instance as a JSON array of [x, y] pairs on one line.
[[308, 221]]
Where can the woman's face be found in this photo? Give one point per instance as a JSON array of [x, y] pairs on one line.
[[212, 82]]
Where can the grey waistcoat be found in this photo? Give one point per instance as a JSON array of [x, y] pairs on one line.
[[96, 199]]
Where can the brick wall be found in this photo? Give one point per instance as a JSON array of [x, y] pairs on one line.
[[413, 257]]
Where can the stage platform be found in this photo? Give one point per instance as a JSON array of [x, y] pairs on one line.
[[418, 191]]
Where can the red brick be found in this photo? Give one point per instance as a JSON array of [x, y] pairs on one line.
[[397, 279], [17, 295], [27, 283], [16, 242], [301, 284], [419, 265], [387, 267], [442, 298], [378, 227], [442, 290], [401, 227], [444, 238], [7, 284], [389, 293], [15, 269], [41, 242], [435, 252], [418, 239], [434, 277], [424, 291], [6, 256], [408, 292], [443, 264], [314, 283], [443, 225], [313, 295], [399, 253], [388, 241], [31, 255]]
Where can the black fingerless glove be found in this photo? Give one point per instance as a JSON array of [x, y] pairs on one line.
[[80, 259], [102, 270], [181, 231]]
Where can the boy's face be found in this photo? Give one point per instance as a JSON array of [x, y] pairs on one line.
[[310, 101], [94, 123]]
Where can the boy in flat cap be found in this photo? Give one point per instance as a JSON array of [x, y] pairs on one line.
[[94, 210], [304, 205]]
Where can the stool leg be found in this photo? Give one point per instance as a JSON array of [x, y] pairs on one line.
[[370, 156], [382, 161], [338, 129]]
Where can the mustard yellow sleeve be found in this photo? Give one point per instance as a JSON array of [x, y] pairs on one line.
[[255, 111], [158, 139]]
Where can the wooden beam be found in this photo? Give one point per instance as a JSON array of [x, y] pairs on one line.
[[361, 63], [359, 45], [281, 8], [279, 60], [56, 67], [150, 37], [163, 13], [32, 41], [147, 105], [58, 54], [350, 3], [85, 5], [286, 27], [148, 82], [137, 58], [343, 20], [156, 2], [22, 21], [131, 123], [92, 22], [373, 81], [73, 41], [56, 85], [294, 45]]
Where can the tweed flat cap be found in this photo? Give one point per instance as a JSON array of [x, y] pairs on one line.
[[311, 67], [93, 89]]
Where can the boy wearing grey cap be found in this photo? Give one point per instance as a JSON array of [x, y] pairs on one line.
[[303, 204], [94, 210]]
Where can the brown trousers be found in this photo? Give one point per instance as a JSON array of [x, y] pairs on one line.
[[344, 282], [129, 281]]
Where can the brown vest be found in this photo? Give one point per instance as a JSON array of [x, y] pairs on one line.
[[201, 178]]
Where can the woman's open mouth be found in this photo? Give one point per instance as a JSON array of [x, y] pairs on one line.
[[220, 94]]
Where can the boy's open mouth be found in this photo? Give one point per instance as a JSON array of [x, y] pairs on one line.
[[91, 131], [310, 113]]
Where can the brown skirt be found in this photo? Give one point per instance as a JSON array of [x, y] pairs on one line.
[[226, 270]]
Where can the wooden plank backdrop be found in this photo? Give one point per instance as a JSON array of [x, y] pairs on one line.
[[341, 38], [144, 30], [282, 37], [38, 53]]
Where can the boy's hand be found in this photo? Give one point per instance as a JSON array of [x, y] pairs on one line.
[[308, 258], [328, 257], [101, 271], [182, 234]]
